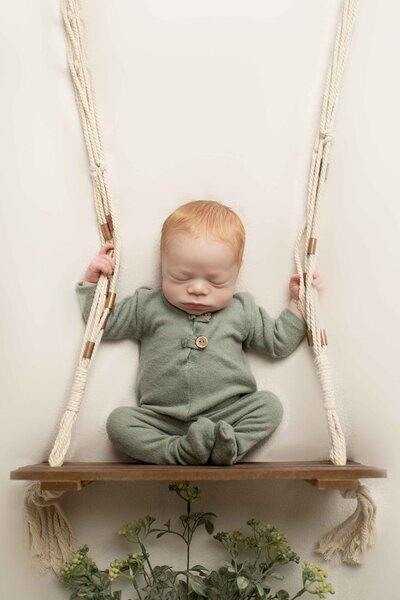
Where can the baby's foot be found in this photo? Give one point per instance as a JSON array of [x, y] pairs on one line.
[[225, 447], [197, 444]]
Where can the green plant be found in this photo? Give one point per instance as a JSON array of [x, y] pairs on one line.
[[250, 573]]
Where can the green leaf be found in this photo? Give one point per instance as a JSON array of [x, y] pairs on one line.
[[282, 595], [228, 566], [276, 576], [209, 526], [199, 568], [242, 582], [198, 586], [260, 590]]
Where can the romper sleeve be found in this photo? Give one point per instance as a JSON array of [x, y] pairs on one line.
[[275, 337], [126, 317]]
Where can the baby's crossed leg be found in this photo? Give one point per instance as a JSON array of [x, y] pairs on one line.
[[243, 423], [221, 437], [148, 437]]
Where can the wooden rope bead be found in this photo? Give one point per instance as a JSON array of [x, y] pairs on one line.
[[110, 223], [110, 300], [312, 246], [323, 337], [106, 231], [88, 349]]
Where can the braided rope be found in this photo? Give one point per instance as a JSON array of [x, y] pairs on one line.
[[84, 96], [48, 530], [308, 299], [348, 540]]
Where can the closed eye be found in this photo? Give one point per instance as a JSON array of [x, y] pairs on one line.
[[218, 283]]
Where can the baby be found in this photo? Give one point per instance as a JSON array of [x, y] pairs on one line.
[[197, 399]]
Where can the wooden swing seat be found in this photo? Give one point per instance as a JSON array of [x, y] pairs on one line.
[[73, 476]]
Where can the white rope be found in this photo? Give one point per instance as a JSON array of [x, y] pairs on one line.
[[50, 534], [308, 299], [77, 60], [348, 541]]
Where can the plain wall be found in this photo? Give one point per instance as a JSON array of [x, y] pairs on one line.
[[218, 100]]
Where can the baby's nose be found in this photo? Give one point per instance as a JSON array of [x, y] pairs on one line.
[[198, 287]]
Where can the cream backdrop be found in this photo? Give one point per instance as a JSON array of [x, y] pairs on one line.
[[218, 100]]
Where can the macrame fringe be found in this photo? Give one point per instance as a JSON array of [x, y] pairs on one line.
[[48, 531], [348, 541]]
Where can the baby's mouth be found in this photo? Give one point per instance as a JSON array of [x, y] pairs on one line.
[[195, 305]]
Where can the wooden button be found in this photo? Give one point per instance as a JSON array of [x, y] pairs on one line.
[[207, 315], [201, 341]]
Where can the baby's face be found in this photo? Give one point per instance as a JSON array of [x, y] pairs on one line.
[[198, 275]]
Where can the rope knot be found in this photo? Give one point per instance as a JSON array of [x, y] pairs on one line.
[[326, 136], [96, 169]]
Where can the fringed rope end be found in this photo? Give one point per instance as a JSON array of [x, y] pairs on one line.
[[348, 541], [49, 533]]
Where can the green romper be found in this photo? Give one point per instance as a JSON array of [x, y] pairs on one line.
[[197, 398]]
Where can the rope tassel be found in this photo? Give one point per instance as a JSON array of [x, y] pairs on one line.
[[348, 541], [50, 535]]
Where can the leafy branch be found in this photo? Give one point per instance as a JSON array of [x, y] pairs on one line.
[[250, 572]]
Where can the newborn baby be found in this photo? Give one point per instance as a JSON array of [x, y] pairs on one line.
[[197, 399]]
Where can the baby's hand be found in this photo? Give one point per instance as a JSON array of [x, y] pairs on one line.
[[294, 284], [101, 264]]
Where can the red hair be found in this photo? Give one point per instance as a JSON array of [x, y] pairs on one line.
[[209, 216]]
